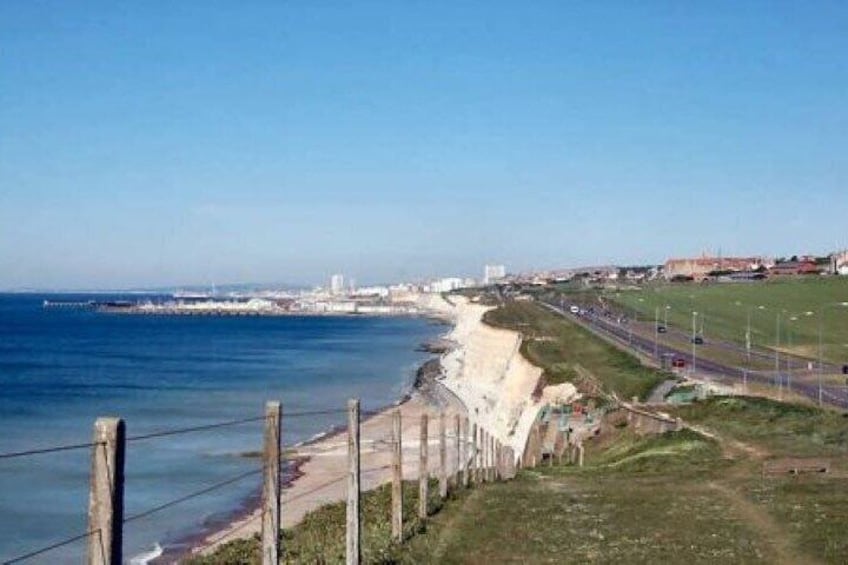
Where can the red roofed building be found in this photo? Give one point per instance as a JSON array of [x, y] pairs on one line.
[[700, 267], [801, 267]]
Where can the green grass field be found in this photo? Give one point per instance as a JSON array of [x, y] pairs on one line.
[[725, 309], [568, 353], [680, 497]]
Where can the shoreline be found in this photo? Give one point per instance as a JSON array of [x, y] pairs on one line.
[[243, 522], [477, 371]]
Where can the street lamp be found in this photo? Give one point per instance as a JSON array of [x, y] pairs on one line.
[[789, 355], [694, 318], [656, 331], [822, 310], [777, 356]]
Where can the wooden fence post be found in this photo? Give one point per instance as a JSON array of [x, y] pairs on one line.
[[352, 552], [474, 463], [466, 475], [498, 460], [106, 493], [397, 478], [457, 433], [443, 458], [486, 455], [493, 458], [423, 471], [271, 485]]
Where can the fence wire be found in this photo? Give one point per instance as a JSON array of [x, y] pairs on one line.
[[39, 451], [179, 431], [192, 495], [50, 547]]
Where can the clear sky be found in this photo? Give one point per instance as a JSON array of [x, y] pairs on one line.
[[147, 143]]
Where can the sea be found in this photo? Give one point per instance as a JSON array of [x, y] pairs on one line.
[[61, 368]]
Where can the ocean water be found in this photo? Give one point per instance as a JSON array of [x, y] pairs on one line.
[[61, 369]]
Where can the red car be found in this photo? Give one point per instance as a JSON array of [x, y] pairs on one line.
[[678, 363]]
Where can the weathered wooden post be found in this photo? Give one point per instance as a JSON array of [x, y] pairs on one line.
[[537, 452], [493, 464], [457, 433], [443, 458], [352, 552], [106, 493], [475, 461], [397, 478], [484, 453], [466, 475], [423, 471], [271, 485], [498, 460], [509, 462], [487, 456], [478, 465]]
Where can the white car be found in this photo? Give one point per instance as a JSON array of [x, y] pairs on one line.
[[574, 310]]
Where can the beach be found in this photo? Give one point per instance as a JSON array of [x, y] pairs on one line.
[[482, 375]]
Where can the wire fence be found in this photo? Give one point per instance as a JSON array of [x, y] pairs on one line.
[[476, 458]]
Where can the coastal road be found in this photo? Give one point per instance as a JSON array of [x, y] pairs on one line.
[[625, 339]]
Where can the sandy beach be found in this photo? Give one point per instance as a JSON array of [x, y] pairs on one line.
[[321, 476], [483, 376]]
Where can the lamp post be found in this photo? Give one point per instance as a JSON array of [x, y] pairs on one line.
[[656, 332], [777, 356], [789, 355], [748, 335], [822, 310], [694, 318]]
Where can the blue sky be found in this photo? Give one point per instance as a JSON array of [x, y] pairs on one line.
[[154, 143]]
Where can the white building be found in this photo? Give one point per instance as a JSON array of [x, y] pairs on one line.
[[337, 284], [446, 284], [840, 262], [493, 273]]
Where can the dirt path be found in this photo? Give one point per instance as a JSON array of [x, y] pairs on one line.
[[771, 532]]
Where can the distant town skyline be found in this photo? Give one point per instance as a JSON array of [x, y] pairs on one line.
[[160, 144]]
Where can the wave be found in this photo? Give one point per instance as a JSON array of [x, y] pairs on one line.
[[148, 556]]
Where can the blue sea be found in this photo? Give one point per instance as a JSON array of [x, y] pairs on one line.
[[62, 368]]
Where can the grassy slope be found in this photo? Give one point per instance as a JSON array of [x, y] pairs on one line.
[[561, 348], [679, 498], [320, 537], [726, 308], [636, 501]]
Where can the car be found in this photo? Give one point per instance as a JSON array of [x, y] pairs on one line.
[[661, 329], [697, 340], [575, 309], [845, 369], [678, 362]]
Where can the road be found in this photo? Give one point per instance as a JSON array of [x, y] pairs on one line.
[[628, 340]]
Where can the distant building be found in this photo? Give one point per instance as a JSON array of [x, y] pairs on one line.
[[337, 284], [701, 267], [445, 285], [839, 263], [801, 267], [493, 273]]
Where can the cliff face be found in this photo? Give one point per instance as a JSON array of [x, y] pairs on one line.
[[488, 373]]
